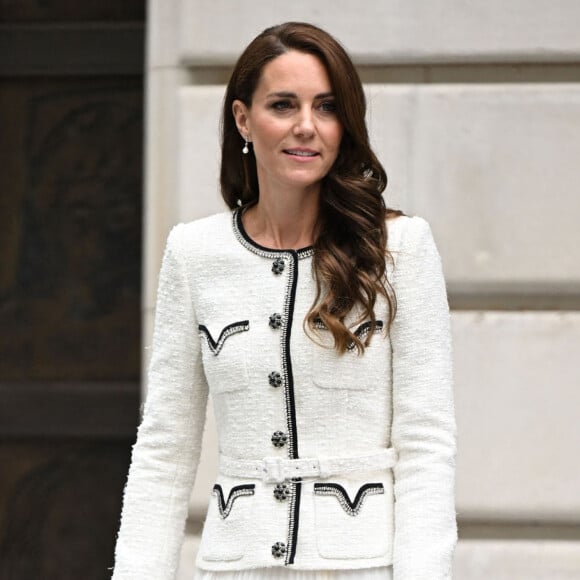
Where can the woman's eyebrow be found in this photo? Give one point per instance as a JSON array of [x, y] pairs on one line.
[[282, 94], [324, 95], [290, 95]]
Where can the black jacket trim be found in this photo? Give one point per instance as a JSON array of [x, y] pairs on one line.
[[352, 508], [294, 519], [225, 507], [234, 328], [360, 332], [294, 504], [256, 248]]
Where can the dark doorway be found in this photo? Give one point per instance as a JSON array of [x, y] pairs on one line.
[[71, 140]]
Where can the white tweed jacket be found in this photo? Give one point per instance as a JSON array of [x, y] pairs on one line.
[[229, 323]]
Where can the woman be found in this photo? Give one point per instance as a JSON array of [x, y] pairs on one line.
[[318, 321]]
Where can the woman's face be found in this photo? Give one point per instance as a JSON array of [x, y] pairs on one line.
[[292, 123]]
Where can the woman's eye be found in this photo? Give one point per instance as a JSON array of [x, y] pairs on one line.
[[281, 105], [328, 106]]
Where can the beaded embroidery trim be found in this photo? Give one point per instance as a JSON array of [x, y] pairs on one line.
[[234, 328], [293, 514], [288, 310], [361, 331], [249, 244], [237, 491], [288, 382], [352, 508]]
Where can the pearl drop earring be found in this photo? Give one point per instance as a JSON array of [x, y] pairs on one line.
[[245, 150]]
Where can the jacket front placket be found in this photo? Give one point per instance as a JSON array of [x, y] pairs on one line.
[[288, 490], [284, 265]]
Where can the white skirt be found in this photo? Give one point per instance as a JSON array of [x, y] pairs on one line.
[[277, 573]]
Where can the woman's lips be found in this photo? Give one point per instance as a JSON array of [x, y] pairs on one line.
[[302, 153]]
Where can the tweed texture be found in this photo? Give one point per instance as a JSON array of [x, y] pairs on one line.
[[230, 318], [381, 573]]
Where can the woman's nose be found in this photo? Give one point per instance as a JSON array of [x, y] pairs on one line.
[[304, 123]]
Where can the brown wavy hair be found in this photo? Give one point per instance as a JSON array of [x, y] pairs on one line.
[[350, 251]]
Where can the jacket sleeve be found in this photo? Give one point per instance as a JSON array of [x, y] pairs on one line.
[[166, 454], [423, 429]]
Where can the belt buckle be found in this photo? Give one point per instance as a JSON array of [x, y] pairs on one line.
[[273, 471]]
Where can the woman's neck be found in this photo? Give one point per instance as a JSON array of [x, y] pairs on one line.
[[283, 222]]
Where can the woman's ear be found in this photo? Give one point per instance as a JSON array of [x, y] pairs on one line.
[[240, 112]]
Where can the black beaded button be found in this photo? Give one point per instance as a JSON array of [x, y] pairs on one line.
[[278, 266], [275, 379], [282, 492], [279, 438], [279, 549], [275, 320]]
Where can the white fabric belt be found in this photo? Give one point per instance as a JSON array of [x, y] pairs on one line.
[[274, 469]]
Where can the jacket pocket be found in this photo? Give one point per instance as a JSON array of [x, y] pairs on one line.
[[350, 370], [224, 355], [353, 521], [227, 521]]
